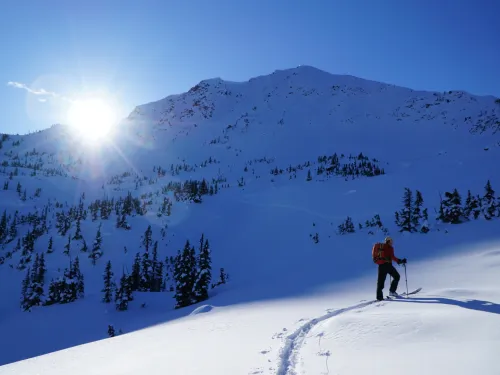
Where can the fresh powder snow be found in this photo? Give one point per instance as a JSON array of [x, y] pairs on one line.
[[288, 160]]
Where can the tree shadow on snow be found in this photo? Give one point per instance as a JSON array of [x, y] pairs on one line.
[[473, 304]]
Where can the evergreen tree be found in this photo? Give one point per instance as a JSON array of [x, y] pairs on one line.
[[404, 218], [147, 264], [28, 249], [84, 248], [488, 202], [121, 221], [96, 252], [147, 240], [49, 248], [18, 245], [3, 227], [69, 287], [55, 289], [77, 276], [347, 226], [35, 290], [146, 272], [42, 269], [128, 288], [122, 295], [468, 205], [169, 264], [67, 247], [157, 271], [417, 214], [204, 276], [203, 187], [13, 228], [184, 275], [477, 207], [223, 277], [78, 233], [109, 285], [136, 273], [25, 290], [451, 208]]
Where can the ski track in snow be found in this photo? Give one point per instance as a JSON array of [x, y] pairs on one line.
[[289, 356]]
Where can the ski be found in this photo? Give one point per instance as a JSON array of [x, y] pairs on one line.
[[410, 293], [404, 294], [388, 298]]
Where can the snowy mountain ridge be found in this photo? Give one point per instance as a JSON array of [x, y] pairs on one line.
[[291, 177]]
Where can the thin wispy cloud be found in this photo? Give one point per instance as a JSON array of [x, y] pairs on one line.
[[38, 92]]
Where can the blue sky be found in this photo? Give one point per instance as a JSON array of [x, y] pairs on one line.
[[136, 52]]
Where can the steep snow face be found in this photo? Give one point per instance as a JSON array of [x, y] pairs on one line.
[[292, 155], [290, 112]]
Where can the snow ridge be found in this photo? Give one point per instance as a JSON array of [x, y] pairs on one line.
[[291, 350]]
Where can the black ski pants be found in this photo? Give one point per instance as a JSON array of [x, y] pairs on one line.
[[383, 270]]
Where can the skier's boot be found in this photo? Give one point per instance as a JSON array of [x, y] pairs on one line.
[[394, 294]]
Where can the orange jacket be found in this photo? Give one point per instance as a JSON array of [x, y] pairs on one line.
[[383, 253]]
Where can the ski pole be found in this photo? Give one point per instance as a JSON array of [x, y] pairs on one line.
[[406, 279]]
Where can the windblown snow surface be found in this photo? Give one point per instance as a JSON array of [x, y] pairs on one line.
[[291, 306]]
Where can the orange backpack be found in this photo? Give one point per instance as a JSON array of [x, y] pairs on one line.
[[378, 252]]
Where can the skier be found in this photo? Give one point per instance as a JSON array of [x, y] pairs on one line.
[[383, 255]]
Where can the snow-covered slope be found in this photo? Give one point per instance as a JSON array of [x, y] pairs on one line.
[[293, 301], [452, 327]]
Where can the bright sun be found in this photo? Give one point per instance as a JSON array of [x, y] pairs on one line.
[[92, 118]]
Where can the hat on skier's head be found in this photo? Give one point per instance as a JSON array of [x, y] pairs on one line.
[[388, 240]]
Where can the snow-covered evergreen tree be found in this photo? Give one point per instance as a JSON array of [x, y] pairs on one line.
[[28, 246], [123, 293], [184, 275], [25, 291], [347, 226], [451, 208], [35, 291], [489, 203], [69, 287], [204, 274]]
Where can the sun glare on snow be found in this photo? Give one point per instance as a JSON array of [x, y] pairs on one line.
[[93, 119]]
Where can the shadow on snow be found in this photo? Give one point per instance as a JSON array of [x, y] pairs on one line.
[[474, 304]]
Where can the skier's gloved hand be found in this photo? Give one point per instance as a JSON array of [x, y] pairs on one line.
[[402, 261]]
